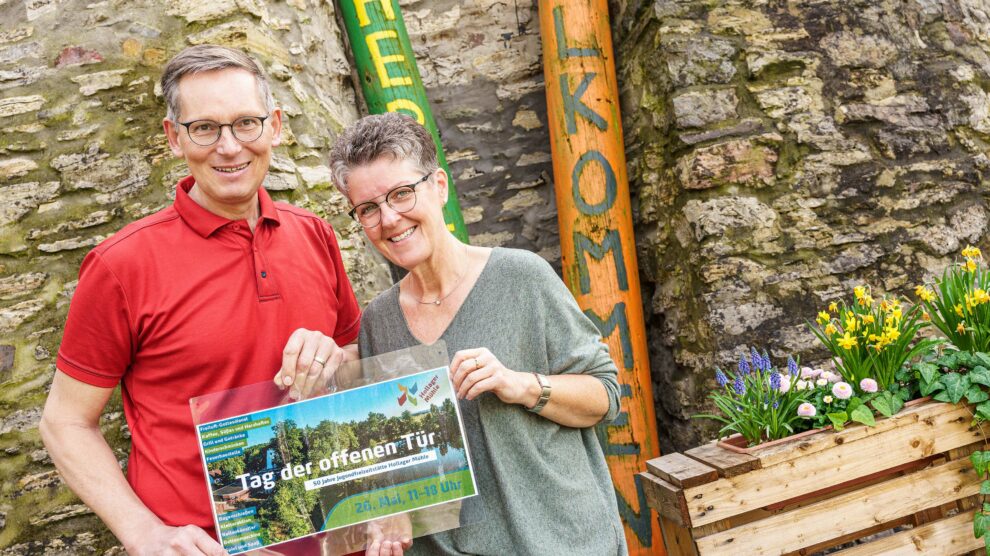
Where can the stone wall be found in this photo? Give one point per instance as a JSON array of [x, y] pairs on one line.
[[82, 153], [782, 152], [481, 63]]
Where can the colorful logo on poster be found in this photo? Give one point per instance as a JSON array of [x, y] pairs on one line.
[[408, 394]]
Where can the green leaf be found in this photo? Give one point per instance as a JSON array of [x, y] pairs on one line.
[[896, 404], [983, 411], [904, 395], [980, 460], [980, 523], [984, 358], [838, 419], [928, 372], [854, 404], [985, 487], [956, 386], [883, 405], [862, 414], [980, 375], [975, 394], [941, 397], [930, 388]]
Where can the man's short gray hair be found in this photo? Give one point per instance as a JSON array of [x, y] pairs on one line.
[[391, 135], [209, 57]]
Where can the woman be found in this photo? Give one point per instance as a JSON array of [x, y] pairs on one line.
[[531, 371]]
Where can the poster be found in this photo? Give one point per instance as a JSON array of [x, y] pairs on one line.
[[337, 460]]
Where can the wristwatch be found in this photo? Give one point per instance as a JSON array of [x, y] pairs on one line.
[[544, 395]]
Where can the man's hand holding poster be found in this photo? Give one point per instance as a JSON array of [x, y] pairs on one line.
[[337, 460]]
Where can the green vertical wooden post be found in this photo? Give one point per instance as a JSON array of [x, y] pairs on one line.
[[390, 78]]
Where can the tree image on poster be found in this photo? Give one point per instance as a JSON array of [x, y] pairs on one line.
[[329, 462]]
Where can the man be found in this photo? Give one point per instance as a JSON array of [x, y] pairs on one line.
[[200, 297]]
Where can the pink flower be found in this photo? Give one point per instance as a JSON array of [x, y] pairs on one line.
[[868, 385], [785, 384], [831, 377], [806, 410], [842, 390], [808, 372]]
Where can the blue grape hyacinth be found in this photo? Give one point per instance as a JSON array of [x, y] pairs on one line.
[[775, 381], [720, 378], [738, 386], [743, 365], [792, 366]]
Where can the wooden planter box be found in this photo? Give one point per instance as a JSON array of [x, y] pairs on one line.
[[909, 475]]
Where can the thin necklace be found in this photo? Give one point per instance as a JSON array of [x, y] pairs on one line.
[[437, 301]]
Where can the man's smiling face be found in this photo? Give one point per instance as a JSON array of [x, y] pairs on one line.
[[229, 172]]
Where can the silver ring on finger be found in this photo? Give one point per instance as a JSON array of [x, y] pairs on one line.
[[322, 362], [477, 365]]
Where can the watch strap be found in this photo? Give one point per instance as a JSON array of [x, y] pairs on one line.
[[544, 394]]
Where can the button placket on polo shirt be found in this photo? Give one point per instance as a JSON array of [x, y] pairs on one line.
[[267, 288]]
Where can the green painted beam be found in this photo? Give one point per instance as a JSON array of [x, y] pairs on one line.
[[390, 78]]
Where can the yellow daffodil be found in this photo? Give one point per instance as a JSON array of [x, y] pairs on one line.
[[868, 319], [851, 324], [823, 317], [924, 294], [970, 265], [961, 327], [834, 307], [859, 291], [971, 252], [926, 317], [959, 309], [847, 341], [892, 334], [830, 329], [980, 296], [896, 313]]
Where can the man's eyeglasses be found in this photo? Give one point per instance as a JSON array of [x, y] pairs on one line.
[[206, 132], [400, 199]]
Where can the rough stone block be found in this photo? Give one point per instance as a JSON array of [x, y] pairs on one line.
[[70, 244], [700, 108], [18, 285], [908, 110], [20, 105], [15, 34], [194, 11], [20, 53], [92, 83], [15, 167], [314, 176], [77, 56], [698, 60], [13, 316], [847, 48], [739, 161], [716, 216], [794, 99], [245, 35]]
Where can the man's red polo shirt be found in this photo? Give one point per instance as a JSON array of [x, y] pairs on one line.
[[183, 303]]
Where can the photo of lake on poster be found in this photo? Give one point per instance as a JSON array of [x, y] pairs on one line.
[[337, 460]]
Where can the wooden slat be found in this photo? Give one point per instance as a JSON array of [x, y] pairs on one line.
[[825, 440], [728, 464], [916, 438], [677, 539], [848, 513], [665, 498], [681, 471], [946, 537]]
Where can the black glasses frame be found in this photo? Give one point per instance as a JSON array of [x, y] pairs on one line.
[[220, 130], [353, 212]]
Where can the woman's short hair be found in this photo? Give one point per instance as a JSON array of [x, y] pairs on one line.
[[209, 57], [391, 135]]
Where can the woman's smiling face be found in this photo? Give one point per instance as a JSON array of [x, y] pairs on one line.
[[408, 238]]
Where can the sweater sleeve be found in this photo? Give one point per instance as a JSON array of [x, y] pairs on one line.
[[573, 342]]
